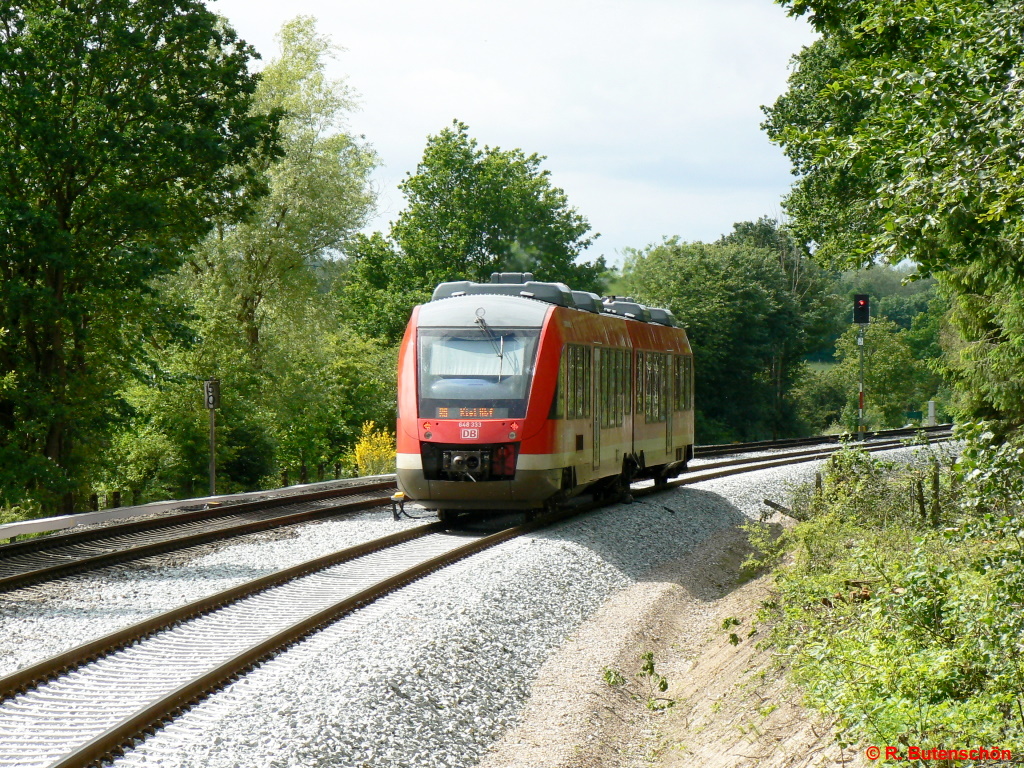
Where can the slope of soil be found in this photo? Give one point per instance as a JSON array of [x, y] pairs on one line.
[[732, 707]]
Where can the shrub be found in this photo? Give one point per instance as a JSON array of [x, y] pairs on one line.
[[900, 614], [374, 452]]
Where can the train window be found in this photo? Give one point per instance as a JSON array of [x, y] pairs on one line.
[[639, 376], [677, 383], [474, 373], [688, 383], [682, 376], [656, 385], [558, 402], [614, 370], [577, 381], [666, 387], [626, 372], [604, 384]]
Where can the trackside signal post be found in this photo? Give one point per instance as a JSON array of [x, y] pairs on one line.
[[211, 398], [861, 316]]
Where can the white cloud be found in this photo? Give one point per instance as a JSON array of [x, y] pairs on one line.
[[649, 107]]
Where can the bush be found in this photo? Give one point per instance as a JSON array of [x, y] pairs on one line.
[[901, 612], [374, 453]]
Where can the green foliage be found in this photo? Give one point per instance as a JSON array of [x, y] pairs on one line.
[[985, 356], [654, 684], [318, 193], [900, 615], [728, 624], [917, 103], [123, 128], [899, 375], [470, 212], [747, 325], [296, 383], [903, 122], [613, 677], [894, 381], [767, 548], [651, 684], [17, 512], [820, 397]]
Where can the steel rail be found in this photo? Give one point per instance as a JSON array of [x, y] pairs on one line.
[[125, 733], [180, 518], [36, 674], [191, 539], [724, 449], [809, 452], [155, 713], [756, 464]]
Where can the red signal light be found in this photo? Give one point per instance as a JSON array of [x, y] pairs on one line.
[[861, 309]]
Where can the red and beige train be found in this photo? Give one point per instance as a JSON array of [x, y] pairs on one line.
[[518, 394]]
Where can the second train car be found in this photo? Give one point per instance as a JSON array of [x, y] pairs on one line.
[[518, 394]]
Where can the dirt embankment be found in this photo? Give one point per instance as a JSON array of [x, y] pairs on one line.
[[732, 706]]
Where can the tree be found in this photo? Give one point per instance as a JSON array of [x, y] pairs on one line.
[[909, 116], [319, 190], [820, 397], [124, 125], [744, 324], [327, 385], [470, 212], [810, 286], [296, 384], [904, 123]]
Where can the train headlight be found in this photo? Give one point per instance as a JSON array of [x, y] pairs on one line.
[[511, 435]]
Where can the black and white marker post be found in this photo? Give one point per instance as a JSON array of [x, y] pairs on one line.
[[211, 396]]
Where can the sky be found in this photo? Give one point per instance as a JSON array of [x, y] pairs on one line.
[[648, 111]]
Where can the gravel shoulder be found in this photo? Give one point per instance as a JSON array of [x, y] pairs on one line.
[[732, 706]]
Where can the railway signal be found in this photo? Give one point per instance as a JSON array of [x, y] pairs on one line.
[[861, 309], [211, 398], [862, 317], [211, 393]]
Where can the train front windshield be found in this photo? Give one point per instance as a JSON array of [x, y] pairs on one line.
[[475, 373]]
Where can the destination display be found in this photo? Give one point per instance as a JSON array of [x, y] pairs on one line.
[[460, 412]]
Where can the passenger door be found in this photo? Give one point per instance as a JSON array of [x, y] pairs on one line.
[[598, 405], [670, 403]]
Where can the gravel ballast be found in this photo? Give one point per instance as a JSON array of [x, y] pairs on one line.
[[431, 675], [42, 621]]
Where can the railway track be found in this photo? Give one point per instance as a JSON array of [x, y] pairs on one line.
[[34, 561], [83, 705], [42, 559], [728, 467], [79, 707], [731, 448]]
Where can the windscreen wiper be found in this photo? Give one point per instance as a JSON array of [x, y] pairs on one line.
[[497, 344]]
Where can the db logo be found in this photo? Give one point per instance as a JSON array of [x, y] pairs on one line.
[[470, 434], [873, 753]]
